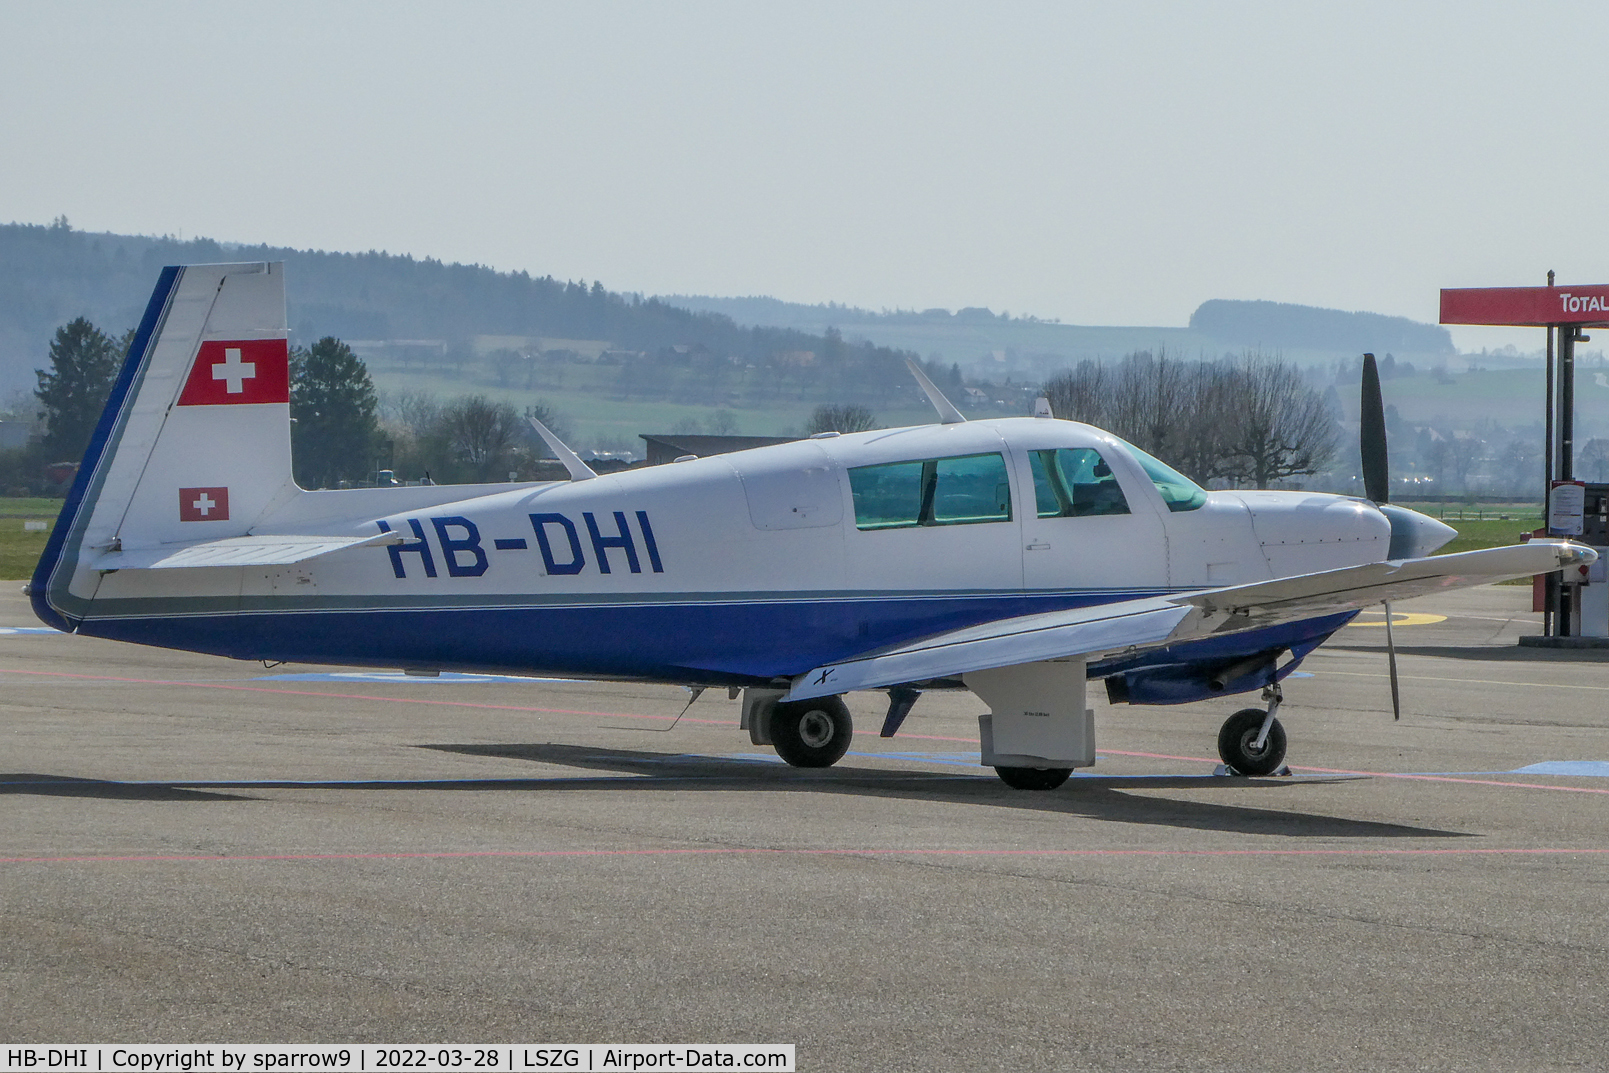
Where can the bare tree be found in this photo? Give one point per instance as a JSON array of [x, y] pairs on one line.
[[1463, 451], [1082, 394], [721, 423], [1279, 427], [1152, 398], [481, 433], [1520, 460], [415, 412], [840, 417], [1253, 421], [1437, 457]]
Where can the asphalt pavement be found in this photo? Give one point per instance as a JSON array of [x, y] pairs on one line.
[[196, 849]]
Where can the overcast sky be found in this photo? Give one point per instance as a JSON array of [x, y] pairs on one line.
[[1116, 163]]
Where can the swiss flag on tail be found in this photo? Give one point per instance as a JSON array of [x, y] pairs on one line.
[[203, 504], [250, 370]]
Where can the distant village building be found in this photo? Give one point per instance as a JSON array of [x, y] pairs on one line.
[[671, 446]]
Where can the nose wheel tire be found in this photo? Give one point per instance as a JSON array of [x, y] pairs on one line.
[[812, 733], [1033, 778], [1237, 743]]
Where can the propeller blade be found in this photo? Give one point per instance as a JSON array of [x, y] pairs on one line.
[[1372, 436], [1391, 660]]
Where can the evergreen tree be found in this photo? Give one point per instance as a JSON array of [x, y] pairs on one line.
[[333, 406], [83, 365]]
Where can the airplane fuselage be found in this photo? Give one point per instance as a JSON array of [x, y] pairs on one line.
[[739, 568]]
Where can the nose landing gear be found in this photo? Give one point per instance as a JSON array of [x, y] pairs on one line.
[[1252, 741]]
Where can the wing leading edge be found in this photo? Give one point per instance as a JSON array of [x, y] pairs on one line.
[[1131, 626]]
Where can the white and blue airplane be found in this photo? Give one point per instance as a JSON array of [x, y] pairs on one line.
[[1017, 558]]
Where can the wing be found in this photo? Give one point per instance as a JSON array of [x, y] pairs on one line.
[[264, 550], [1131, 626]]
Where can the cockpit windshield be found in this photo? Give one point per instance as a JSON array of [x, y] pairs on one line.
[[1178, 491]]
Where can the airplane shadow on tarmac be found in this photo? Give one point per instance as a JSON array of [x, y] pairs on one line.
[[1094, 797], [626, 770], [65, 786]]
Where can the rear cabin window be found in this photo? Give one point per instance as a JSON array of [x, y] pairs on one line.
[[962, 490], [1075, 482]]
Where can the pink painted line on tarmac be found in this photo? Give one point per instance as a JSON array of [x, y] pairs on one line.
[[744, 851]]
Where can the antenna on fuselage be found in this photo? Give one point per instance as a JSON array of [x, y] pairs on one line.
[[579, 470], [948, 414]]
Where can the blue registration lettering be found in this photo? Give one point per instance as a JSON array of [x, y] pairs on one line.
[[419, 547], [451, 548], [648, 540], [540, 522], [601, 544]]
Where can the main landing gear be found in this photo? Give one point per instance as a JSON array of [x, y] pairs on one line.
[[812, 733], [1033, 778], [1252, 741]]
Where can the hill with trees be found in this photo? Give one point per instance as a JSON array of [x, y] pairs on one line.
[[989, 345], [1282, 326], [52, 274]]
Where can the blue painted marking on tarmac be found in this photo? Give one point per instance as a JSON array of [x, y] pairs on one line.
[[7, 631], [956, 759], [1581, 768], [397, 676], [1592, 768]]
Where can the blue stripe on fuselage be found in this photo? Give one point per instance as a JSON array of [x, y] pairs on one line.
[[706, 640], [685, 641]]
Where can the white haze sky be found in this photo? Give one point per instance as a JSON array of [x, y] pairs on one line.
[[1109, 163]]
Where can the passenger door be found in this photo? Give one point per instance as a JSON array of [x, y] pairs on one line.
[[1089, 524]]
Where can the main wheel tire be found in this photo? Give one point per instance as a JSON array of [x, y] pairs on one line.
[[1239, 735], [1034, 778], [812, 733]]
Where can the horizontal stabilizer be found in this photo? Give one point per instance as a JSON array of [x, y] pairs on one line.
[[265, 550]]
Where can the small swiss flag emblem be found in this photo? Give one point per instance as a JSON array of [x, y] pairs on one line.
[[248, 370], [203, 504]]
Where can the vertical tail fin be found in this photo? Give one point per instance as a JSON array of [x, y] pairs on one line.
[[194, 443]]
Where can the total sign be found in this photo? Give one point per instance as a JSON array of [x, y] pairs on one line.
[[1526, 306]]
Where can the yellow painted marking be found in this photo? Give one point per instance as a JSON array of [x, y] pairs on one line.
[[1402, 618]]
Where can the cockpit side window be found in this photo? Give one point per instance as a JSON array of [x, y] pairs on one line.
[[961, 490], [1075, 482]]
